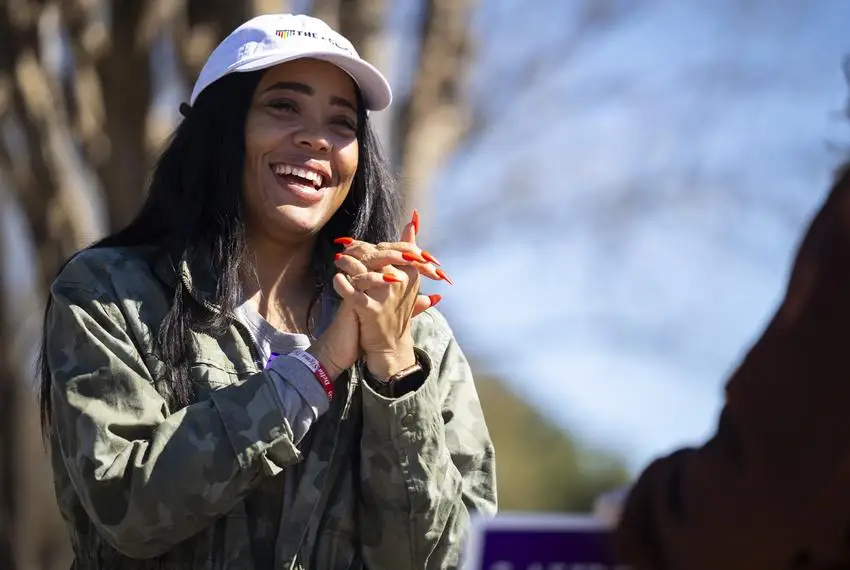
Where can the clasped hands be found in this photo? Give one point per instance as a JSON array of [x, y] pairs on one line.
[[379, 287]]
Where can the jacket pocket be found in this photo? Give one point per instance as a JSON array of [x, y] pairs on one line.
[[207, 375]]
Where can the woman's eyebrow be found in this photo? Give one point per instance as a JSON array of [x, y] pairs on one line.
[[292, 86], [307, 90], [343, 102]]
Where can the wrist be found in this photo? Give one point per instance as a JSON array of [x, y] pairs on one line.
[[318, 351], [385, 365]]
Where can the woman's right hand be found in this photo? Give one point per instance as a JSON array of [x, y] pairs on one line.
[[339, 346]]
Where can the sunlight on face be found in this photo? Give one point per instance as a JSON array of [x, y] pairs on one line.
[[301, 150]]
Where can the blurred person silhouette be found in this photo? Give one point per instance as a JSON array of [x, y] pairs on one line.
[[771, 488], [236, 379]]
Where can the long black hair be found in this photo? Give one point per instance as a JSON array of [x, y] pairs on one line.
[[195, 203]]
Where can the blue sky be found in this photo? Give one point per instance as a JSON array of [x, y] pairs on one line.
[[621, 227]]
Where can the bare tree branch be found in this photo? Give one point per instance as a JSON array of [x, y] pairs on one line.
[[362, 22], [126, 84]]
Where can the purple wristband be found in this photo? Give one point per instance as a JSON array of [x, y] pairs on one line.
[[272, 356]]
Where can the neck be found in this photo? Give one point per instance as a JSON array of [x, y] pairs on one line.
[[281, 283]]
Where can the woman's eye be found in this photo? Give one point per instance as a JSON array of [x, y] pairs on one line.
[[283, 105], [347, 123]]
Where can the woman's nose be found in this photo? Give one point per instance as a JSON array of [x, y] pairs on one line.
[[312, 139]]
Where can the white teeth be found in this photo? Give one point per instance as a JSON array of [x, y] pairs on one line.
[[314, 177]]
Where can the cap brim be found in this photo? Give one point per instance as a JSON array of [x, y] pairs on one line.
[[376, 90]]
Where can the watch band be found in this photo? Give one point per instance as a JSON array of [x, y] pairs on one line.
[[401, 374], [399, 383]]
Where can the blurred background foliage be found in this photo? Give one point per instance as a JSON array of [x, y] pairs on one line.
[[539, 466]]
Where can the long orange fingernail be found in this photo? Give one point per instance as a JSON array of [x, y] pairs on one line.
[[344, 241], [414, 219], [442, 275], [407, 256], [435, 299], [337, 256], [430, 258], [390, 278]]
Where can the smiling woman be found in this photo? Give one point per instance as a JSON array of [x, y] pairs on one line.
[[223, 385]]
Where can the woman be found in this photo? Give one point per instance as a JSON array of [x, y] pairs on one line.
[[771, 488], [234, 380]]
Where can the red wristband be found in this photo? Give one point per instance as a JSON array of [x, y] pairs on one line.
[[317, 369]]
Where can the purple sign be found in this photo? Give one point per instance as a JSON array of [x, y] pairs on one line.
[[540, 542]]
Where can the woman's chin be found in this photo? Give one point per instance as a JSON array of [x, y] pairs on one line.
[[291, 221]]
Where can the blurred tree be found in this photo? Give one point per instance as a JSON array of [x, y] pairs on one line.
[[539, 467]]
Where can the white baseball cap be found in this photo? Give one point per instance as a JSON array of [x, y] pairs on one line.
[[268, 40]]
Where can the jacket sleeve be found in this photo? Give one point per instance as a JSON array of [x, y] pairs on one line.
[[427, 462], [771, 488], [149, 479]]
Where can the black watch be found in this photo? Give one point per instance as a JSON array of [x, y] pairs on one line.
[[400, 383]]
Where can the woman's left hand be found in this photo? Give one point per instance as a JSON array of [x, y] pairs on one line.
[[385, 297]]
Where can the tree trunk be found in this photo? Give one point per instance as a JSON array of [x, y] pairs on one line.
[[362, 22], [431, 121], [126, 80], [328, 12], [204, 25]]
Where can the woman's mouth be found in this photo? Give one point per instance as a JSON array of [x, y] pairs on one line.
[[306, 184], [299, 175]]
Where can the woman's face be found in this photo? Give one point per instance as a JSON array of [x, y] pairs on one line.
[[301, 148]]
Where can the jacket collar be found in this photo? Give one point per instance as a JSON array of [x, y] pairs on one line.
[[194, 271]]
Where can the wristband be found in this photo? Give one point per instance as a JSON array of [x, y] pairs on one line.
[[316, 368]]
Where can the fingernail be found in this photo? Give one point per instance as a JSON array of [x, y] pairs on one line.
[[442, 275], [344, 241], [407, 256], [430, 258], [337, 256], [414, 219], [390, 278], [435, 299]]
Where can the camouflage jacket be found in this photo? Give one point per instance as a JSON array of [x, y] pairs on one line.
[[377, 483]]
